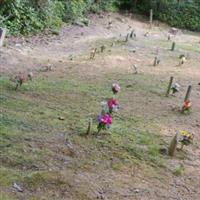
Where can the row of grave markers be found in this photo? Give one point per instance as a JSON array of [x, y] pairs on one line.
[[187, 96]]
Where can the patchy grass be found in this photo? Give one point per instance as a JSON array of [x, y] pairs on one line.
[[34, 151], [179, 170], [4, 196], [33, 136]]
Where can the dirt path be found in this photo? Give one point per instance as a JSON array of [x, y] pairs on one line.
[[27, 54]]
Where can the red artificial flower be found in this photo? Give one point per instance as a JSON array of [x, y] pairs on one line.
[[112, 103], [187, 104]]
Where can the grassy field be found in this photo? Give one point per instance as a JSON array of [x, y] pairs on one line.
[[53, 159]]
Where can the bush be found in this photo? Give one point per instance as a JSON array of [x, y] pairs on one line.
[[74, 9], [185, 16], [24, 17], [31, 16], [182, 14]]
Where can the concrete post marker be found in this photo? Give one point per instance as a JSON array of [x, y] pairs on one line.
[[2, 35]]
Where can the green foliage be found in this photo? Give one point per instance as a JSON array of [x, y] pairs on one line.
[[75, 9], [31, 16], [182, 14], [26, 17], [179, 170], [186, 16]]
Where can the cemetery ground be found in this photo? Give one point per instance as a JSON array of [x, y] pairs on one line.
[[43, 147]]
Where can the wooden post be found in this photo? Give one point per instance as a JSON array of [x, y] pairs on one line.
[[131, 35], [102, 48], [173, 46], [151, 18], [169, 86], [2, 35], [155, 61], [89, 127], [127, 36], [173, 145], [93, 53], [187, 96], [135, 69]]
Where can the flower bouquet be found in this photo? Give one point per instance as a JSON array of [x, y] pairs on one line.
[[186, 106], [104, 122], [185, 138], [113, 105], [115, 88], [175, 88]]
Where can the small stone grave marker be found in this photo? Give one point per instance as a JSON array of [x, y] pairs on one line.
[[173, 46], [170, 85], [2, 35], [135, 68]]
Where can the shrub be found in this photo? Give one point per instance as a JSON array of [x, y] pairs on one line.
[[24, 17]]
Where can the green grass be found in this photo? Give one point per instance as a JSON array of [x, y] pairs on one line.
[[179, 170], [33, 138], [6, 197]]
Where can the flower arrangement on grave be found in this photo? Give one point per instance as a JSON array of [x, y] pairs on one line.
[[104, 122], [182, 59], [185, 138], [175, 88], [186, 106], [115, 88], [108, 107], [113, 105]]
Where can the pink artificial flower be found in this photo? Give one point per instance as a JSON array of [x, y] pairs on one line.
[[106, 119], [115, 88], [112, 103]]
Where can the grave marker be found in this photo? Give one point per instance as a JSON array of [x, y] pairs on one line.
[[187, 103], [173, 46], [169, 86], [187, 96], [127, 36], [2, 35], [93, 53], [102, 48], [131, 34], [156, 61], [151, 18], [173, 145], [135, 67], [89, 127]]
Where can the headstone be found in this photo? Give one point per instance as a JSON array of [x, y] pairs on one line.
[[89, 127], [156, 61], [2, 35], [170, 85], [135, 67], [173, 145], [131, 34], [102, 48], [173, 46], [127, 36], [187, 96], [151, 18]]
